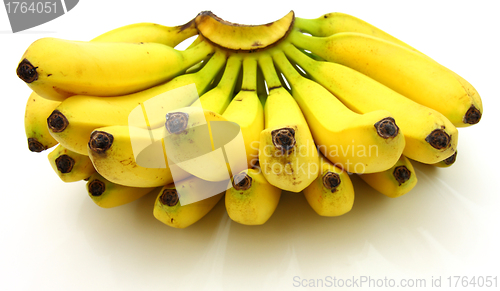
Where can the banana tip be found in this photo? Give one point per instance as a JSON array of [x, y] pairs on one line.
[[331, 181], [387, 128], [35, 146], [100, 141], [169, 197], [26, 71], [402, 174], [64, 164]]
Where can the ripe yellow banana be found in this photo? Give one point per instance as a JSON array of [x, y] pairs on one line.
[[35, 122], [288, 155], [218, 98], [358, 143], [75, 118], [107, 194], [149, 32], [70, 166], [409, 73], [429, 136], [247, 111], [57, 68], [394, 182], [250, 198], [169, 210], [332, 193]]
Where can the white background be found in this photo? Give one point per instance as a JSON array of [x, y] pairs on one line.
[[53, 237]]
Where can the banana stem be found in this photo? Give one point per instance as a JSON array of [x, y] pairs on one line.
[[307, 25], [228, 81], [286, 67], [197, 53], [269, 71], [314, 44], [249, 75]]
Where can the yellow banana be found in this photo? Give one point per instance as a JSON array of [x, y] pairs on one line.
[[332, 192], [73, 121], [429, 136], [218, 98], [358, 143], [57, 68], [394, 182], [169, 209], [409, 73], [70, 166], [107, 194], [288, 155], [247, 111], [35, 122], [149, 32], [250, 198]]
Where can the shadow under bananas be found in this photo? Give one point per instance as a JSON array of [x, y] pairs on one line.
[[417, 233]]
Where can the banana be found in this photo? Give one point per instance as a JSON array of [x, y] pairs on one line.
[[218, 98], [358, 143], [171, 211], [394, 182], [149, 32], [250, 199], [58, 68], [35, 122], [288, 155], [107, 194], [332, 192], [429, 136], [247, 111], [407, 72], [242, 38], [70, 166], [77, 116]]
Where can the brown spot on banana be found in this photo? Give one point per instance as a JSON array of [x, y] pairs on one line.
[[96, 188], [439, 139], [26, 71], [331, 181], [242, 181]]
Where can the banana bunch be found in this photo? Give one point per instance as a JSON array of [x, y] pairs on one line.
[[251, 113]]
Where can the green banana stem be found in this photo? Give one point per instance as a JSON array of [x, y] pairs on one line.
[[269, 71]]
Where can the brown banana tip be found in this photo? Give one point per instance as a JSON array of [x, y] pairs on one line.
[[242, 181], [169, 197], [176, 122], [331, 181], [451, 159], [100, 141], [284, 139], [26, 71], [35, 146], [65, 163], [402, 174], [96, 188], [438, 139], [57, 122], [387, 128], [472, 116]]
